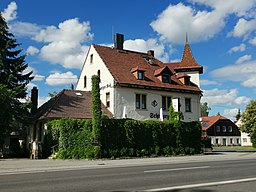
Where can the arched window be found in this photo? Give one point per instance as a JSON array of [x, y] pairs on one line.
[[85, 79]]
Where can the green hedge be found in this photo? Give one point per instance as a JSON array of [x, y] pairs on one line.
[[121, 138]]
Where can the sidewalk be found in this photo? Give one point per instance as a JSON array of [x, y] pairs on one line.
[[15, 166]]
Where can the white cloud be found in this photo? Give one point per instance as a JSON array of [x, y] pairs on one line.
[[207, 82], [216, 96], [61, 79], [240, 48], [10, 13], [244, 27], [151, 44], [42, 100], [32, 50], [243, 59], [231, 113], [65, 43], [244, 73], [239, 7], [24, 29], [176, 20], [253, 41]]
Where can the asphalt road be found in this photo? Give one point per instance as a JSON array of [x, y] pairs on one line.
[[202, 176]]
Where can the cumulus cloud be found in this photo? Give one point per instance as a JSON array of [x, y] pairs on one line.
[[176, 20], [244, 27], [10, 13], [42, 100], [57, 79], [243, 59], [244, 73], [31, 50], [253, 41], [240, 48], [150, 44], [24, 29], [229, 97], [231, 113], [65, 43], [207, 82]]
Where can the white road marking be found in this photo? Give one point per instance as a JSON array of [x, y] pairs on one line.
[[201, 185], [176, 169]]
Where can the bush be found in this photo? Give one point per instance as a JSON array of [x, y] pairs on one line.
[[122, 138]]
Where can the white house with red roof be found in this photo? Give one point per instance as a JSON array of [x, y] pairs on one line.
[[222, 131], [137, 85]]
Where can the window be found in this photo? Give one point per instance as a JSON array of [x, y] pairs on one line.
[[230, 129], [85, 81], [91, 58], [165, 78], [218, 128], [238, 141], [108, 99], [231, 141], [217, 141], [98, 73], [141, 101], [224, 128], [140, 75], [166, 102], [245, 140], [187, 105]]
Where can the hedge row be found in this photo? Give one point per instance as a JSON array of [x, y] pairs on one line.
[[120, 138]]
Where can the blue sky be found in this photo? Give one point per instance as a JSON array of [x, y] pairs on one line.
[[56, 35]]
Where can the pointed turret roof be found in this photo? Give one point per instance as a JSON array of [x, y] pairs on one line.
[[188, 62]]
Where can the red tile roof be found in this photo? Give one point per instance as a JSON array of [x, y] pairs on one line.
[[121, 62], [188, 61], [69, 104], [211, 120]]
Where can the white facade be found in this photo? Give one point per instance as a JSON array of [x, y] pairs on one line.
[[116, 98], [245, 138], [225, 140]]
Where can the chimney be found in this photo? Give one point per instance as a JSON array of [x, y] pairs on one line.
[[119, 41], [34, 100], [151, 53]]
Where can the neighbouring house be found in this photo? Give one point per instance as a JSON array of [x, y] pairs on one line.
[[222, 131], [245, 138], [66, 104], [137, 85]]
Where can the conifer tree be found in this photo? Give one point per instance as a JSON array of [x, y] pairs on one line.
[[13, 82]]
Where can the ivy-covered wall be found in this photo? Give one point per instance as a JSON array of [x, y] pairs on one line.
[[122, 138]]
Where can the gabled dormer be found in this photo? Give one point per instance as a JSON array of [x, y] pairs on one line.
[[138, 72], [184, 78], [163, 74]]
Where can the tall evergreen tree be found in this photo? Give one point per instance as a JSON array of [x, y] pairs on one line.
[[13, 82]]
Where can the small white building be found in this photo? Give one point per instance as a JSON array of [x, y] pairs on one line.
[[245, 138], [137, 85]]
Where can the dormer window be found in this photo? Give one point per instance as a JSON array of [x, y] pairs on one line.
[[140, 75], [163, 74], [166, 78], [138, 72]]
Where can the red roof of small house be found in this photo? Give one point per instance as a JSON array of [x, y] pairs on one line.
[[137, 69], [120, 63], [69, 104], [211, 120]]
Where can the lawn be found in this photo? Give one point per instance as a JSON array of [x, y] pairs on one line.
[[247, 148]]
